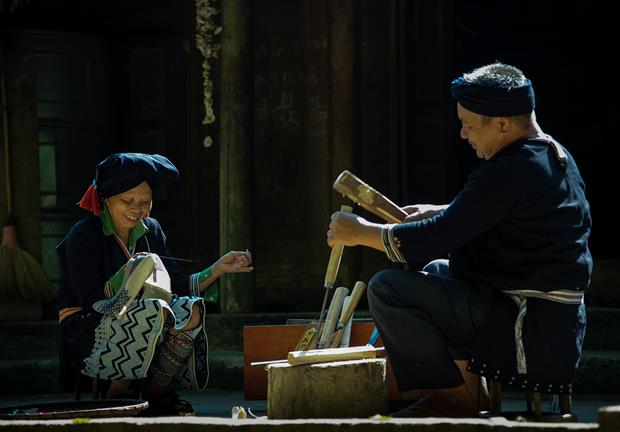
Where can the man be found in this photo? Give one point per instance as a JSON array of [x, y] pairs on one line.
[[508, 304]]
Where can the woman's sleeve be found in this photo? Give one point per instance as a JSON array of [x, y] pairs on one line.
[[81, 268]]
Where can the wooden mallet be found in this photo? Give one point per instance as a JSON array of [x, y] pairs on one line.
[[368, 197]]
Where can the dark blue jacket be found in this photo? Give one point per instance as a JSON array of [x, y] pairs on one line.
[[88, 258], [522, 221]]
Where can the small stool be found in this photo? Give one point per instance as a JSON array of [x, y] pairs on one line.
[[535, 415]]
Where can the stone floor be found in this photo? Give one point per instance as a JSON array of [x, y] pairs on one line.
[[219, 403]]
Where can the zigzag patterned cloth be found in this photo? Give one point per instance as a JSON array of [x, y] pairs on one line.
[[124, 348]]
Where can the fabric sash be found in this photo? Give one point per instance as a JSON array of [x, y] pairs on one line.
[[520, 297]]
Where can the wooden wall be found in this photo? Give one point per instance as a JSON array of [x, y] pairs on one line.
[[322, 86], [324, 101]]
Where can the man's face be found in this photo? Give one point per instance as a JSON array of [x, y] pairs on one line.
[[484, 137], [127, 208]]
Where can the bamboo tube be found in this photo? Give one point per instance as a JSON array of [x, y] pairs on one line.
[[347, 314], [332, 316], [333, 354]]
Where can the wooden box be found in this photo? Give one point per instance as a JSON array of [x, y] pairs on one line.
[[273, 342]]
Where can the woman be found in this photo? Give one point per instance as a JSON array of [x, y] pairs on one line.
[[164, 343]]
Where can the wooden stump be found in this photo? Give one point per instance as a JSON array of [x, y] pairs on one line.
[[344, 389]]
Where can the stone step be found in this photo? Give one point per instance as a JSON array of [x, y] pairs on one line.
[[28, 362], [29, 376], [38, 338], [28, 339], [39, 375], [603, 329], [598, 373], [609, 423]]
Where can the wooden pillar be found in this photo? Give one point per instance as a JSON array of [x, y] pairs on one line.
[[342, 100], [343, 62], [235, 143]]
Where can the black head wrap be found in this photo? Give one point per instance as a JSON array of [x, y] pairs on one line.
[[123, 171], [494, 101]]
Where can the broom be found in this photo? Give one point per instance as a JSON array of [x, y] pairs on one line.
[[21, 275]]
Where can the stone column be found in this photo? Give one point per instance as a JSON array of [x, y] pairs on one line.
[[235, 144]]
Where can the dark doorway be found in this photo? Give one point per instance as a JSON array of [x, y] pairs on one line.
[[566, 49]]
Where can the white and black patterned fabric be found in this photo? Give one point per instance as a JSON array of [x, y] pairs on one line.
[[124, 349]]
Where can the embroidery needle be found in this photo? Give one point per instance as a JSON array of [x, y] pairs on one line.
[[176, 259]]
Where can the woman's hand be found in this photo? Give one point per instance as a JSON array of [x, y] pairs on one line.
[[420, 212], [233, 262]]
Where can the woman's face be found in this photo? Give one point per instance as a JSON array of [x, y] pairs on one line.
[[127, 208]]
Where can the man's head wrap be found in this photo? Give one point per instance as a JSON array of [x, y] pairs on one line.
[[121, 172], [494, 101]]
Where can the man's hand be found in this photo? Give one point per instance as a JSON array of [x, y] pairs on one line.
[[346, 229], [419, 212]]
